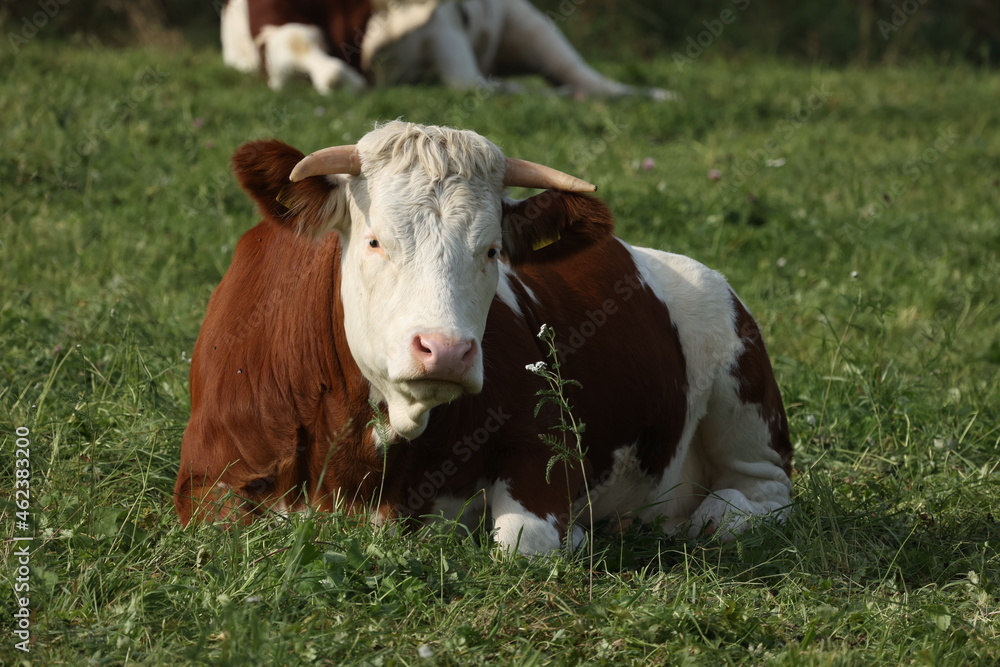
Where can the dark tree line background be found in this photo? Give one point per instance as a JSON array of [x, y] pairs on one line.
[[836, 31]]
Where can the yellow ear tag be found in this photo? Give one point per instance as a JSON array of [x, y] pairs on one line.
[[282, 196], [541, 243]]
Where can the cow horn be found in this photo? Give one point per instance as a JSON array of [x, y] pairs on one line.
[[333, 160], [524, 174]]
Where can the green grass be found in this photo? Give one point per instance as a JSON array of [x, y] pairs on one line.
[[881, 304]]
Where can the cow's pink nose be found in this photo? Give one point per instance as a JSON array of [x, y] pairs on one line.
[[443, 358]]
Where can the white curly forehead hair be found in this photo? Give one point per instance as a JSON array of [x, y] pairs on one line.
[[439, 152]]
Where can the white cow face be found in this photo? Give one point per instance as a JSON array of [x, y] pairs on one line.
[[420, 266], [419, 273], [420, 214]]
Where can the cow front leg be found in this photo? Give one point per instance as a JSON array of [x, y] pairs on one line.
[[531, 43], [455, 61], [530, 514], [296, 48]]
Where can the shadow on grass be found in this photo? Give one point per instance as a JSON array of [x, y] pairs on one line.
[[834, 533]]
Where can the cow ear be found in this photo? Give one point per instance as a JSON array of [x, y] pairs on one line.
[[315, 205], [553, 224]]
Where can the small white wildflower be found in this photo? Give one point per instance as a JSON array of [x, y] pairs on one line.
[[780, 162], [855, 275], [536, 367], [781, 262], [544, 330], [253, 598], [944, 443], [424, 651]]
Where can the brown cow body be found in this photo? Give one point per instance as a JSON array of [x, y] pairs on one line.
[[282, 416]]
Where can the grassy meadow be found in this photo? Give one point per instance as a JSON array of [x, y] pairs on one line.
[[857, 212]]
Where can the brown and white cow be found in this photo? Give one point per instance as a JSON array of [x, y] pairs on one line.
[[394, 278], [460, 43]]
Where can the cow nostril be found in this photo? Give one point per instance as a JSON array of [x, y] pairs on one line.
[[440, 355], [421, 347]]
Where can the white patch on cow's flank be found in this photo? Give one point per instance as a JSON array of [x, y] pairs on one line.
[[725, 447], [737, 435], [700, 304]]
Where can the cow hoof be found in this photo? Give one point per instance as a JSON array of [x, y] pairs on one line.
[[527, 536], [723, 515], [508, 87]]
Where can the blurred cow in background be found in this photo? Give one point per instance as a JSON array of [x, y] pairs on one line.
[[459, 43]]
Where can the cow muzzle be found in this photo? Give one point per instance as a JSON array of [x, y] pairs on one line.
[[441, 368], [443, 359]]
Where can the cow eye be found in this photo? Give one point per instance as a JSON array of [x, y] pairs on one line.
[[373, 243], [492, 252]]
